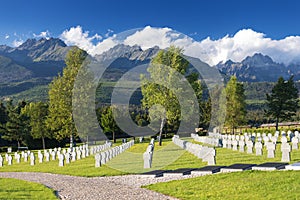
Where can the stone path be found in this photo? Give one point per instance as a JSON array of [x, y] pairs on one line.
[[81, 188]]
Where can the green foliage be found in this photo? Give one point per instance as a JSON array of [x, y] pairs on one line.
[[34, 94], [3, 114], [14, 189], [159, 99], [235, 104], [60, 119], [16, 128], [37, 114], [283, 101], [108, 123]]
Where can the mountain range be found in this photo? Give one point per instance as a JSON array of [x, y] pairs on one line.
[[259, 68], [36, 62], [34, 58]]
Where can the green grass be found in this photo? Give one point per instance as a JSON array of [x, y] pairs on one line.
[[167, 156], [18, 189], [239, 185]]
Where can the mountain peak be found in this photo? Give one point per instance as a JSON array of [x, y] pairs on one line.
[[31, 44], [258, 59], [130, 52]]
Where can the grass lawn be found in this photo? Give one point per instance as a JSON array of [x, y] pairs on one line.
[[168, 156], [238, 185], [19, 189], [268, 185]]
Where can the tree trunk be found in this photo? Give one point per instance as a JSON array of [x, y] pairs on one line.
[[114, 137], [18, 144], [43, 140], [161, 130], [277, 123]]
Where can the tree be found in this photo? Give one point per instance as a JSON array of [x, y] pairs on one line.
[[3, 113], [235, 104], [283, 101], [60, 119], [16, 127], [3, 117], [37, 114], [168, 112], [108, 123]]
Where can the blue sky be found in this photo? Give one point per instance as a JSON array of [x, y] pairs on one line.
[[200, 19], [221, 29]]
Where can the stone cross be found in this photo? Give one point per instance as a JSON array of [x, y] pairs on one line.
[[249, 144], [78, 154], [147, 156], [98, 160], [25, 157], [1, 161], [40, 156], [285, 149], [47, 156], [258, 148], [295, 142], [61, 160], [9, 160], [242, 145], [73, 156], [229, 143], [224, 143], [32, 159], [271, 149], [103, 158], [83, 153], [234, 145], [53, 154], [67, 156], [18, 157]]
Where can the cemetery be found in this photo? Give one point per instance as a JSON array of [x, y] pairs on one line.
[[201, 158], [70, 152]]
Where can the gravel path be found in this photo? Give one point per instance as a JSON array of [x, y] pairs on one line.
[[80, 188]]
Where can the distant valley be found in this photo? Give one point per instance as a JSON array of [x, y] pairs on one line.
[[26, 71]]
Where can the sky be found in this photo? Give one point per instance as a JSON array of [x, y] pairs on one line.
[[217, 25]]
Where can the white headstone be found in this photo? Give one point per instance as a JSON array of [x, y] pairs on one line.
[[270, 149], [61, 160], [285, 149], [258, 148], [295, 142], [53, 154], [242, 145], [9, 160], [32, 159], [98, 160], [47, 156], [67, 156], [249, 144], [25, 157], [17, 157]]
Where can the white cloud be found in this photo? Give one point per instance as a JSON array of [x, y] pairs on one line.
[[43, 34], [76, 36], [109, 33], [244, 43], [17, 43], [149, 37], [6, 36]]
